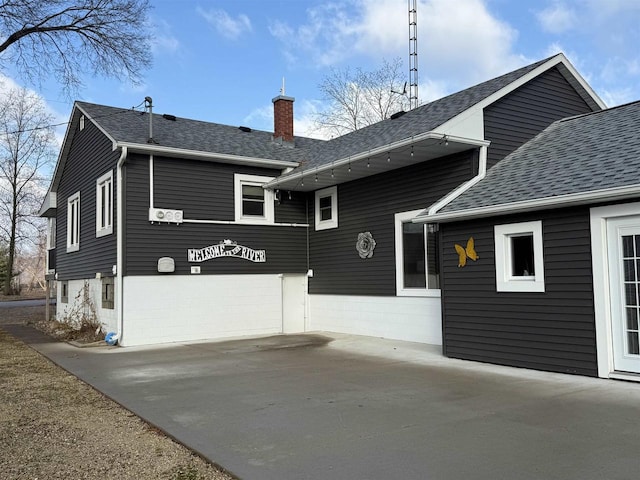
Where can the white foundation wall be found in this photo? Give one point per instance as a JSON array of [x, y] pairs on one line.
[[73, 308], [413, 319], [171, 308]]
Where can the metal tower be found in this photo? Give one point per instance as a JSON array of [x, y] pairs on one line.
[[413, 54]]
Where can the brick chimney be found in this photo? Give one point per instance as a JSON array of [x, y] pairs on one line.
[[283, 119]]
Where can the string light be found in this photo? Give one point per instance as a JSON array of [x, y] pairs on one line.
[[411, 151], [368, 163], [302, 182], [349, 167], [316, 177], [332, 173], [388, 157]]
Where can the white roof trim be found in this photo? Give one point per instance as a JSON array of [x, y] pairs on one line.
[[200, 155], [552, 62], [567, 200], [376, 151]]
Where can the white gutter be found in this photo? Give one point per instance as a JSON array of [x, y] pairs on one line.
[[567, 200], [199, 155], [376, 151], [482, 172], [120, 242]]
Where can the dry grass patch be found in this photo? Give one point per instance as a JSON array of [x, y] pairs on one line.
[[53, 426]]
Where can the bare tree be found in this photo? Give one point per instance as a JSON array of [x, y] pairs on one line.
[[66, 38], [358, 98], [27, 148]]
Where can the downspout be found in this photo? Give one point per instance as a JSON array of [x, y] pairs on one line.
[[482, 172], [120, 243]]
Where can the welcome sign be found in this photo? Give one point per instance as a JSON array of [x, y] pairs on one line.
[[226, 248]]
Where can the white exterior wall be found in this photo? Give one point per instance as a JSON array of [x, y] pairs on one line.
[[171, 308], [414, 319], [106, 316]]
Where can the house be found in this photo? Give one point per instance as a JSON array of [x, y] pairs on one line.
[[556, 227], [188, 230]]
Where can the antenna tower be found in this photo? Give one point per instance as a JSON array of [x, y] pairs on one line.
[[413, 54]]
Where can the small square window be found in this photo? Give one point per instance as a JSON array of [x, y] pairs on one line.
[[326, 208], [519, 257], [108, 292], [253, 203]]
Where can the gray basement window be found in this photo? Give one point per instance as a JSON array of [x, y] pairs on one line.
[[64, 292], [108, 292]]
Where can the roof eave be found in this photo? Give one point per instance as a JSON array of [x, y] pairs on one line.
[[153, 149], [560, 201], [384, 149]]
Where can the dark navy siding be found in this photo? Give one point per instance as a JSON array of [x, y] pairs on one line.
[[521, 115], [205, 192], [369, 205], [90, 156], [554, 330]]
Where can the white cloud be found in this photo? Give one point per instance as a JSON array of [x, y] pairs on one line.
[[224, 24], [557, 18], [458, 40], [163, 40]]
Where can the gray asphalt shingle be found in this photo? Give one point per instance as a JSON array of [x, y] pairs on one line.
[[580, 154], [125, 125]]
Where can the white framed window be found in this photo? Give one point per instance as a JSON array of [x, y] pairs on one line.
[[73, 222], [51, 233], [253, 204], [104, 204], [417, 265], [326, 208], [81, 126], [519, 257]]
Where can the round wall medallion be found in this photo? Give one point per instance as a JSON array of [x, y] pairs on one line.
[[365, 245]]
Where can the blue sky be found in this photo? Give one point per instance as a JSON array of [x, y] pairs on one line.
[[223, 61]]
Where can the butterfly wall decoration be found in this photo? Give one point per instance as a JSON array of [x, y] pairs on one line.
[[468, 252]]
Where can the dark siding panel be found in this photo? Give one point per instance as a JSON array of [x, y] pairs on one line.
[[554, 330], [90, 156], [145, 243], [524, 113], [369, 205]]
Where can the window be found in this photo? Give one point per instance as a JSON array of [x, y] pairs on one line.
[[519, 257], [108, 292], [253, 204], [326, 208], [81, 126], [73, 223], [104, 204], [64, 292], [417, 265], [51, 233]]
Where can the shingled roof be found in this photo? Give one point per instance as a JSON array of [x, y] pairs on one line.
[[580, 159], [132, 127]]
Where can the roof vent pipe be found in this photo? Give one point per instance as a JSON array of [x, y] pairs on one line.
[[148, 105]]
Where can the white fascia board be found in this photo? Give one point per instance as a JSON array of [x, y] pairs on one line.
[[568, 200], [376, 151], [205, 156], [466, 118]]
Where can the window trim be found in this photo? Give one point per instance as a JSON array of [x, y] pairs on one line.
[[64, 291], [331, 192], [108, 229], [81, 123], [505, 282], [401, 291], [240, 179], [75, 198]]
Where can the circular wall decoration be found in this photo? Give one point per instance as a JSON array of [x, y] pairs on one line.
[[365, 245]]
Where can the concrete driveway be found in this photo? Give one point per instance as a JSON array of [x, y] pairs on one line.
[[345, 407]]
